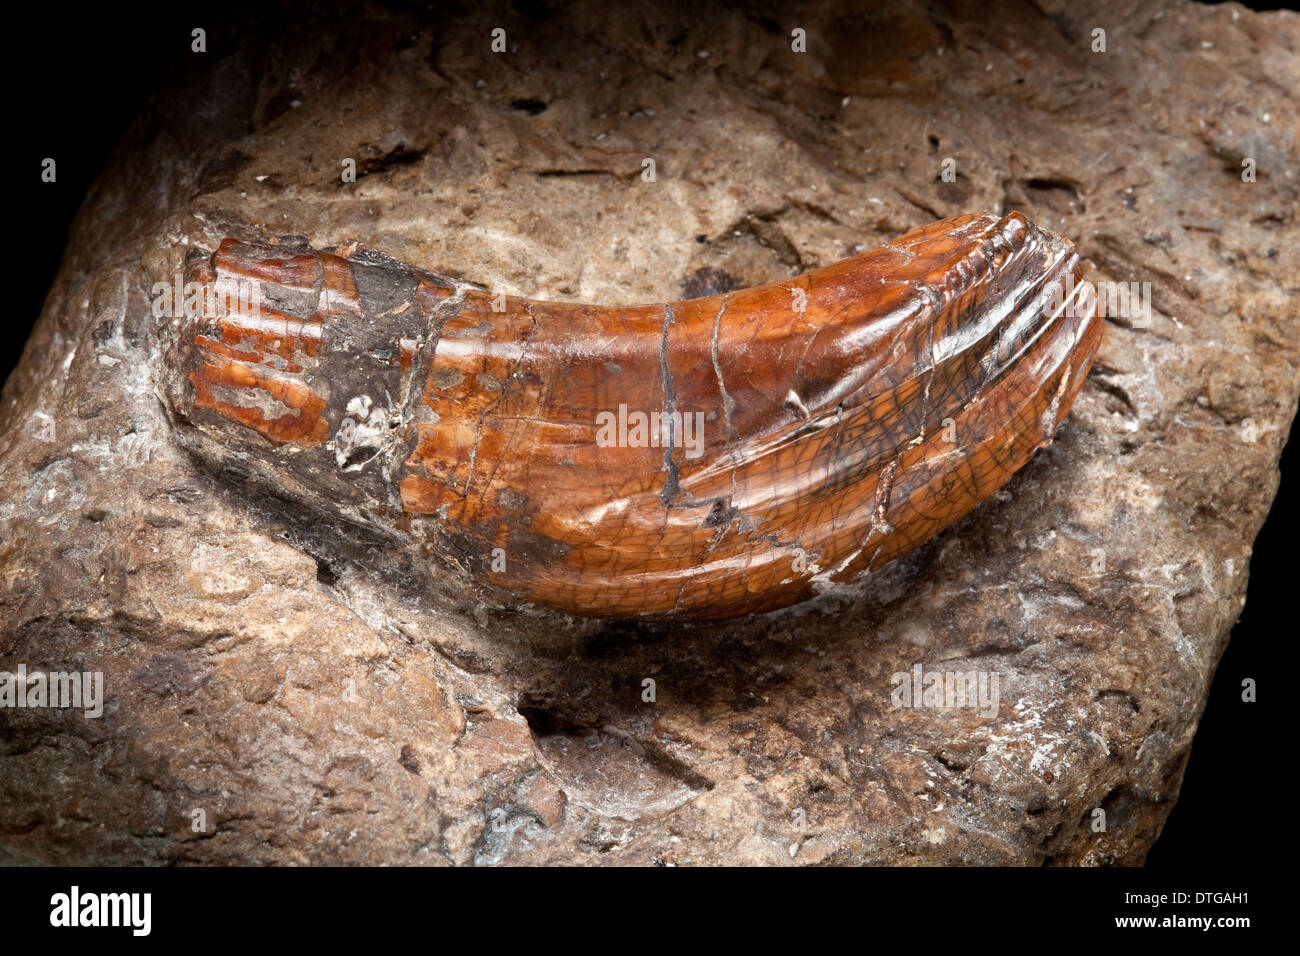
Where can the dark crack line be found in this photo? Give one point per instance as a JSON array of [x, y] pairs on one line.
[[728, 405], [925, 394], [505, 386], [884, 490], [671, 483]]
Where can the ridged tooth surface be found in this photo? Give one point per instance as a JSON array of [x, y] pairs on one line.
[[822, 450]]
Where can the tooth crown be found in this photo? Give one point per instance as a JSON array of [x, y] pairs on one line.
[[701, 459]]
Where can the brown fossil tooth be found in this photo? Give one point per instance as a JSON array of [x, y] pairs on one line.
[[702, 459]]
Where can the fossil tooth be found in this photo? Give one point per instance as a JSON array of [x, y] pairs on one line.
[[702, 459]]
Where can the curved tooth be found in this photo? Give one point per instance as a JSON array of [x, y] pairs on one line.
[[701, 459]]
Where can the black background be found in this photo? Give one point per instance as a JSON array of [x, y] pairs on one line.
[[88, 77]]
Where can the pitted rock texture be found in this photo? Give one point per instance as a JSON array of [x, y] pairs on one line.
[[323, 697]]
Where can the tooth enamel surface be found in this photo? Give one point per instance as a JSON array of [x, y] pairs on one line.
[[673, 460]]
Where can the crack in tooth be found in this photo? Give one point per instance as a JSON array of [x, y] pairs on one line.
[[925, 393], [793, 400], [671, 487], [458, 298], [884, 490], [505, 384], [728, 403]]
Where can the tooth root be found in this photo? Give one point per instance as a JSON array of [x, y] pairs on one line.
[[655, 460]]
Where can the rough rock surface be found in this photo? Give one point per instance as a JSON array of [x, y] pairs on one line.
[[321, 701]]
